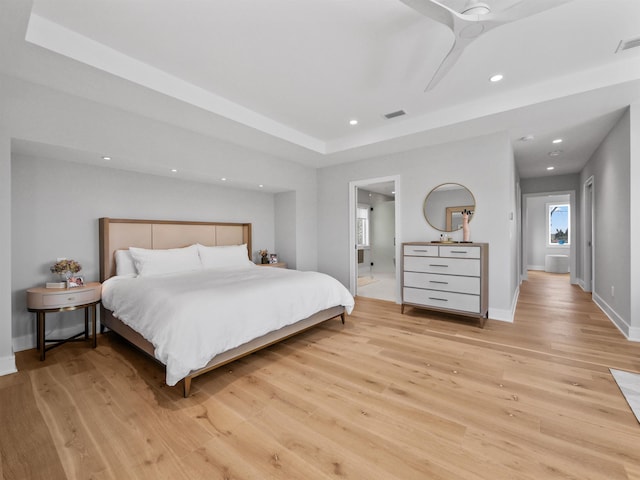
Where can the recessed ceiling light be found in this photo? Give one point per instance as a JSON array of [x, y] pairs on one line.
[[393, 193], [353, 122], [550, 168], [174, 170], [526, 138], [557, 140], [496, 78], [106, 157], [223, 179], [261, 186], [555, 153]]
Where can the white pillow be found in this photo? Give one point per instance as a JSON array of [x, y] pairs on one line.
[[124, 263], [172, 260], [227, 256]]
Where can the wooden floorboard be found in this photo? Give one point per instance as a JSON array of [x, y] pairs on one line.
[[385, 396]]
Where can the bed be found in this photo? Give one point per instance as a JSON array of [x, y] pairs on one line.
[[203, 316]]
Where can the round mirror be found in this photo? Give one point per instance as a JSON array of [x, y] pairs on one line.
[[444, 205]]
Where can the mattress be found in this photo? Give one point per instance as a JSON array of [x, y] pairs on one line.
[[191, 317]]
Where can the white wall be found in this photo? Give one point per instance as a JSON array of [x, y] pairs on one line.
[[634, 221], [7, 361], [610, 168], [484, 165], [55, 211], [537, 245], [285, 228]]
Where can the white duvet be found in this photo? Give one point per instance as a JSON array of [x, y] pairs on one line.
[[191, 317]]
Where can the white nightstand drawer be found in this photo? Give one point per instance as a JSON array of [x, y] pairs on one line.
[[69, 297], [449, 266], [421, 250], [448, 300], [449, 283], [459, 251]]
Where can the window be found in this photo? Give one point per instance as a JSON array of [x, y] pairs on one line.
[[362, 226], [558, 216]]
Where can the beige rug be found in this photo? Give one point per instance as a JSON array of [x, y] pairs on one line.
[[362, 281]]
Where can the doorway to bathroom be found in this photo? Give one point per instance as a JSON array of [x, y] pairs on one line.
[[374, 269]]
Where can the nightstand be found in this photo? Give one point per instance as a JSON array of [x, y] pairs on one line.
[[274, 265], [48, 300]]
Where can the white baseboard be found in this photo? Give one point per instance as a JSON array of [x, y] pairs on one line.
[[28, 341], [631, 333], [8, 365], [535, 267], [505, 315]]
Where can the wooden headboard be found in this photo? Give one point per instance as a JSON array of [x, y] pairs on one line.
[[120, 234]]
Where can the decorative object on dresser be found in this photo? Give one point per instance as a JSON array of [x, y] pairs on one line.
[[447, 278], [46, 300], [466, 234], [264, 256]]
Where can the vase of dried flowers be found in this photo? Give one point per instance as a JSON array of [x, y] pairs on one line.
[[264, 254], [65, 268]]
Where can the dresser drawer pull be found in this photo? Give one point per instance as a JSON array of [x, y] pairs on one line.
[[437, 265], [423, 251], [439, 299], [459, 251], [70, 299], [436, 281]]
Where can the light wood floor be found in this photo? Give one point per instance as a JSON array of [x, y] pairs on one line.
[[386, 396]]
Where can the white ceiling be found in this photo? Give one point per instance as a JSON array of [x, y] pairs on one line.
[[286, 76]]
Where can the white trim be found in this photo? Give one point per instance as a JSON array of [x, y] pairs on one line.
[[28, 341], [588, 284], [505, 315], [353, 266], [8, 365], [630, 333], [535, 267]]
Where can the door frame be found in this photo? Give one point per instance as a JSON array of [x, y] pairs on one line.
[[525, 231], [353, 203], [588, 260]]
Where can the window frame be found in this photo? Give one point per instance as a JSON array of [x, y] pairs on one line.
[[549, 207], [367, 227]]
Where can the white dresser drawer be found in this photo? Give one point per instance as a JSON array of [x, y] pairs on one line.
[[449, 283], [449, 266], [421, 250], [459, 251], [447, 300]]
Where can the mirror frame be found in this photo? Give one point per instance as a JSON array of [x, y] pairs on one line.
[[449, 210]]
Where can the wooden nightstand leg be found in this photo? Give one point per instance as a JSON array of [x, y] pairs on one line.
[[93, 326], [86, 323], [40, 341]]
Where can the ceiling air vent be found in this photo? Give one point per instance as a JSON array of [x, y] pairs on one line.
[[627, 44], [391, 115]]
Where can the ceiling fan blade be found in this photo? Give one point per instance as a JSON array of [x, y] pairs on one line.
[[523, 9], [434, 10], [447, 63]]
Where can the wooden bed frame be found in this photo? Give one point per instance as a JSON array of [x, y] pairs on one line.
[[120, 234]]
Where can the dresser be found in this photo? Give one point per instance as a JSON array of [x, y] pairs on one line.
[[448, 277]]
